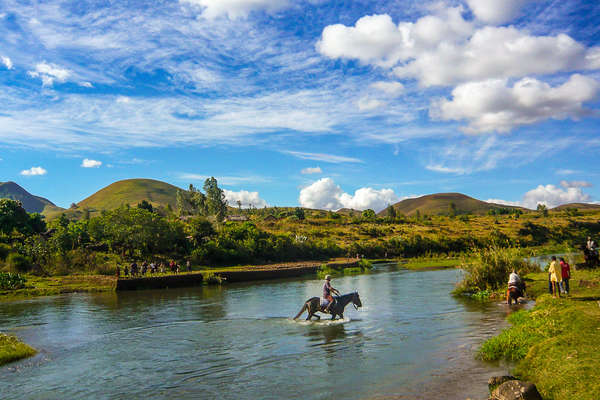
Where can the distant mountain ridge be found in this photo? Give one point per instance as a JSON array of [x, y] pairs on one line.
[[31, 203], [579, 206], [441, 203]]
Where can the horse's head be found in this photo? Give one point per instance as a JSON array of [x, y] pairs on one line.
[[356, 300]]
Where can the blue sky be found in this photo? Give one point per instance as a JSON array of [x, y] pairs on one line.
[[318, 103]]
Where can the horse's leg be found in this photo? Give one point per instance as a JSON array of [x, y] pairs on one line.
[[341, 316]]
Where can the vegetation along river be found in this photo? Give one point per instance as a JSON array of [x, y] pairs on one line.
[[411, 340]]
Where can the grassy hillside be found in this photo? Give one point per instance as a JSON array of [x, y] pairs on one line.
[[440, 204], [10, 190], [578, 206], [131, 191]]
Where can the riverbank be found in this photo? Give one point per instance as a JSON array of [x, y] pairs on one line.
[[12, 349], [555, 344], [55, 285]]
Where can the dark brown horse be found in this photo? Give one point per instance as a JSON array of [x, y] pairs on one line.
[[313, 306]]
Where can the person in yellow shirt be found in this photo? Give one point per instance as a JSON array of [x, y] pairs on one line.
[[555, 276]]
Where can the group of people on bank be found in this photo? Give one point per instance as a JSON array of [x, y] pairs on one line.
[[134, 270], [559, 274]]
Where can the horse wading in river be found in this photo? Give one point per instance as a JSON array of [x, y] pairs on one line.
[[313, 305]]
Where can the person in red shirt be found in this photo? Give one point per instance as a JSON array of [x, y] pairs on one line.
[[566, 275]]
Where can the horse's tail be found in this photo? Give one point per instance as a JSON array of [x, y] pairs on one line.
[[301, 311]]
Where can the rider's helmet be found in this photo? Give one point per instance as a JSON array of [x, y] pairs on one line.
[[327, 277]]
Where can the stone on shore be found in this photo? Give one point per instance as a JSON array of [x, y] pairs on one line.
[[496, 381], [516, 390]]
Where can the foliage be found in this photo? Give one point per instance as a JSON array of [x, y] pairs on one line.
[[488, 268], [215, 199], [13, 217], [368, 213], [145, 205], [18, 263], [10, 281], [210, 278], [299, 213]]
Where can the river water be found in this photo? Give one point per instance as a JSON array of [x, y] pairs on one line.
[[411, 340]]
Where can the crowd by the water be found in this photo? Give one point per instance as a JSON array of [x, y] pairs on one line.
[[135, 270], [559, 275]]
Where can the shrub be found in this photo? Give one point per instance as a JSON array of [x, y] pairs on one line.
[[489, 268], [18, 263], [10, 281]]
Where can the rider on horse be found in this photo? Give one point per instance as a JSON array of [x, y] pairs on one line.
[[328, 299]]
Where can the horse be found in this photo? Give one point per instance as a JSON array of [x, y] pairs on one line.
[[513, 293], [313, 305]]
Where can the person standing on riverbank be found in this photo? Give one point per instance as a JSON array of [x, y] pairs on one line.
[[566, 275], [555, 277]]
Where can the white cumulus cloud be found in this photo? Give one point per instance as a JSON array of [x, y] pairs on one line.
[[311, 170], [494, 106], [444, 49], [87, 163], [496, 11], [246, 198], [326, 194], [235, 9], [7, 62], [34, 171], [551, 196], [49, 73]]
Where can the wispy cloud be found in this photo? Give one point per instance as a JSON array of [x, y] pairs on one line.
[[330, 158], [7, 62], [311, 170]]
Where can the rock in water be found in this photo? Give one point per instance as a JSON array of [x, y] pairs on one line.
[[516, 390], [496, 381]]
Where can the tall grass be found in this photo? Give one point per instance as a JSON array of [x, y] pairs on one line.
[[489, 268]]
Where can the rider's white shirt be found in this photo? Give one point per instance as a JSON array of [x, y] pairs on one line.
[[514, 278]]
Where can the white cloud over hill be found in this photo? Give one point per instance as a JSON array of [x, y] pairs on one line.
[[246, 198], [551, 195], [326, 194]]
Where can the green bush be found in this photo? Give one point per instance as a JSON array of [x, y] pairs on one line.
[[10, 281], [18, 263], [489, 268]]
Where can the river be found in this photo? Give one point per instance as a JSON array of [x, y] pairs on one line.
[[411, 340]]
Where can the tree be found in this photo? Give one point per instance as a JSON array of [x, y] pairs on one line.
[[452, 207], [299, 212], [14, 217], [368, 213], [391, 212], [239, 204], [542, 209], [144, 205], [215, 199]]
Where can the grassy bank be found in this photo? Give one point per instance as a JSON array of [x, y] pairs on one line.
[[11, 349], [556, 344], [430, 263], [53, 285]]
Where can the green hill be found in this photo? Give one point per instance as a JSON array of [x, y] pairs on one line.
[[10, 190], [132, 192], [440, 203]]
